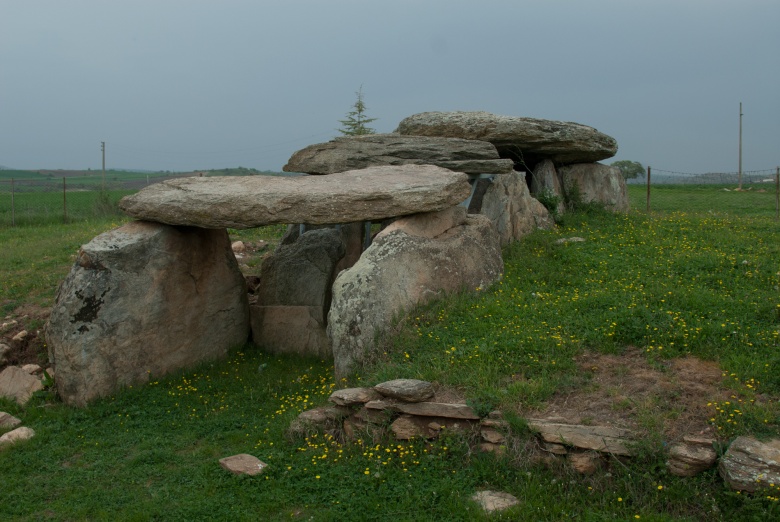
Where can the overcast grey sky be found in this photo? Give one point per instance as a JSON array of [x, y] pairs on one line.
[[191, 84]]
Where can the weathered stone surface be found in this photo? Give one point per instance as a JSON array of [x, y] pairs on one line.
[[21, 336], [350, 396], [17, 435], [595, 183], [290, 329], [425, 409], [370, 194], [400, 270], [599, 438], [18, 385], [243, 464], [691, 456], [8, 421], [4, 350], [294, 294], [751, 465], [514, 137], [555, 449], [141, 301], [544, 181], [491, 501], [410, 390], [514, 212], [359, 152]]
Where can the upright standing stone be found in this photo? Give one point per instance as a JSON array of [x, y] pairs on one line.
[[412, 261], [141, 301], [595, 183]]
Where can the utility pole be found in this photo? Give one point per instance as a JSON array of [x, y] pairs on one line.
[[740, 145], [103, 150]]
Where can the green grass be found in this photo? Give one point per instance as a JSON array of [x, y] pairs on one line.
[[715, 199], [672, 284]]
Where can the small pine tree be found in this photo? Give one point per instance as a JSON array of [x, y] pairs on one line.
[[355, 123]]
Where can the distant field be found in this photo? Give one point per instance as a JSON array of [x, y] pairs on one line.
[[758, 199]]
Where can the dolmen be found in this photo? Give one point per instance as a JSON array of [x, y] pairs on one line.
[[377, 225]]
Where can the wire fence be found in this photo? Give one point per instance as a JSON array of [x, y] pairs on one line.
[[754, 193], [67, 199]]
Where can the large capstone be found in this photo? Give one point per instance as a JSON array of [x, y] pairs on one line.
[[371, 194], [414, 260], [360, 152], [141, 301], [526, 140]]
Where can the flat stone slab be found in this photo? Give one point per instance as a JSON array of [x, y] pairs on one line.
[[491, 501], [371, 194], [410, 390], [243, 464], [562, 142], [359, 152], [599, 438]]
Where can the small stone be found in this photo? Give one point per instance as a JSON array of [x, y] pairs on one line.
[[405, 428], [32, 369], [7, 325], [409, 390], [494, 500], [489, 447], [691, 457], [243, 464], [492, 435], [569, 240], [350, 396], [21, 336], [19, 385], [8, 421], [238, 247], [17, 435], [556, 449], [585, 463]]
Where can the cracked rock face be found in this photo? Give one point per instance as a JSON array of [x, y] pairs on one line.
[[141, 301]]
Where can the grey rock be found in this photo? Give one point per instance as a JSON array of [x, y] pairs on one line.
[[17, 435], [544, 182], [141, 301], [243, 464], [595, 183], [515, 137], [294, 294], [410, 390], [352, 396], [400, 270], [18, 385], [427, 409], [512, 209], [21, 336], [751, 465], [359, 152], [371, 194], [8, 421]]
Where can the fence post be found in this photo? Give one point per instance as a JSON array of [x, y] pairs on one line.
[[777, 194], [13, 209], [648, 188], [64, 202]]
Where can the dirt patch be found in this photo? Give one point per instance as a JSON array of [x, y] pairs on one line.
[[29, 348], [629, 391]]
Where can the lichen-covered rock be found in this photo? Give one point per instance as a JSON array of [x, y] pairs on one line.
[[141, 301], [371, 194], [751, 465], [18, 385], [404, 268], [410, 390]]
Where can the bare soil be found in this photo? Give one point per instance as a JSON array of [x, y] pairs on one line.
[[628, 391]]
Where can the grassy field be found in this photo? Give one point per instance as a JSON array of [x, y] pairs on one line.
[[669, 287]]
